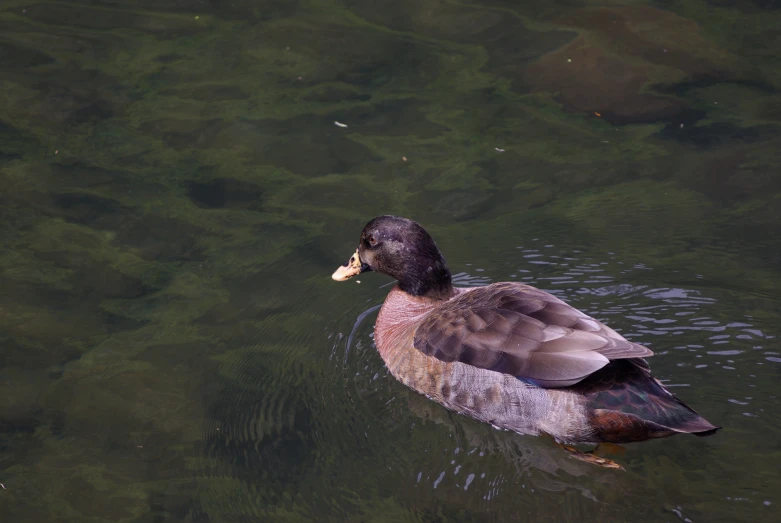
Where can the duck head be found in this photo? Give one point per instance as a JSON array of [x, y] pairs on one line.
[[402, 249]]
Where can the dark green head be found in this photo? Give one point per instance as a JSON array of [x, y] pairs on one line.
[[403, 250]]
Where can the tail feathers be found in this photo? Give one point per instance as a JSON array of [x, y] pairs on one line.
[[620, 427], [674, 414], [628, 404], [698, 425]]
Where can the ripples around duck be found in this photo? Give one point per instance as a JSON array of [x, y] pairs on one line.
[[702, 337], [329, 427]]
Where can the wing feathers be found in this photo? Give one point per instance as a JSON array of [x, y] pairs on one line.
[[519, 330]]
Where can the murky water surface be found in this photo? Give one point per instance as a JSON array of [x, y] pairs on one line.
[[175, 192]]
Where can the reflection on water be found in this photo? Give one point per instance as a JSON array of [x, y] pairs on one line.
[[174, 194]]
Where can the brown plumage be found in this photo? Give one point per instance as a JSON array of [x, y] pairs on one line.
[[519, 330], [508, 353]]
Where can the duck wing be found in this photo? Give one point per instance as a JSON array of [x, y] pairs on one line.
[[522, 331]]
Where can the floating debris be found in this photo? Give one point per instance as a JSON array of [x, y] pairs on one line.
[[498, 150], [339, 124], [403, 158]]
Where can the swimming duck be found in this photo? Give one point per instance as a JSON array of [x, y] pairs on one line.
[[510, 354]]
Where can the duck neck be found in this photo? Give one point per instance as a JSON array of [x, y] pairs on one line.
[[433, 282]]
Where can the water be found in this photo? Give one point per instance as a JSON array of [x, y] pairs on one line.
[[175, 193]]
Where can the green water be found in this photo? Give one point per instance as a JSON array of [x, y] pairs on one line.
[[175, 193]]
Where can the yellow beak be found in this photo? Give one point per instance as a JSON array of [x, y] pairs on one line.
[[349, 269]]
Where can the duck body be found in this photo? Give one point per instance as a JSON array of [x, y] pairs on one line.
[[509, 354], [619, 403]]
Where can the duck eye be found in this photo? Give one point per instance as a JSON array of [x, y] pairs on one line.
[[372, 240]]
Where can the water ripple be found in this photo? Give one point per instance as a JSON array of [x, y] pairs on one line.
[[699, 337]]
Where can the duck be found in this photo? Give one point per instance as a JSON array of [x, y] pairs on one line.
[[510, 354]]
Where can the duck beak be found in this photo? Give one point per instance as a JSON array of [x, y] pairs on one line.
[[353, 267]]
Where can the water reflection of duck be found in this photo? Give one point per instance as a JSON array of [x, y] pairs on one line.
[[510, 354]]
